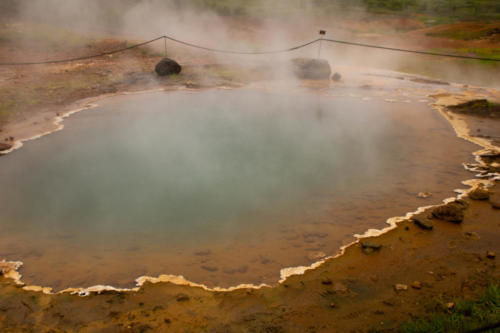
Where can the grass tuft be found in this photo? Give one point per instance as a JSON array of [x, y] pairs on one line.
[[465, 315]]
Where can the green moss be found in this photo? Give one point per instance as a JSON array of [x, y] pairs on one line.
[[465, 34], [465, 315]]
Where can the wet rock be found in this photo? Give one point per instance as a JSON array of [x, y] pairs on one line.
[[369, 247], [182, 297], [495, 201], [315, 255], [491, 255], [241, 269], [167, 66], [309, 68], [5, 146], [479, 193], [210, 268], [416, 285], [326, 281], [460, 203], [471, 235], [264, 260], [336, 77], [452, 212], [400, 287], [423, 223], [340, 288]]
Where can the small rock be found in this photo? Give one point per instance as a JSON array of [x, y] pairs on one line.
[[452, 212], [315, 255], [5, 146], [450, 305], [416, 285], [167, 321], [332, 305], [210, 268], [423, 223], [336, 77], [339, 288], [326, 281], [389, 302], [471, 235], [495, 201], [369, 247], [423, 195], [400, 287], [182, 297], [479, 193], [491, 255]]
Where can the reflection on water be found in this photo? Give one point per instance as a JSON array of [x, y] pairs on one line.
[[159, 175]]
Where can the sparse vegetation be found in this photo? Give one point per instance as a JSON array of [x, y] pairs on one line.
[[459, 316]]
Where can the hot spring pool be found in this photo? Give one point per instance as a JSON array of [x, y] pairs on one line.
[[223, 187]]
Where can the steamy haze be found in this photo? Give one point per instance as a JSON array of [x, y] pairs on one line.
[[255, 26]]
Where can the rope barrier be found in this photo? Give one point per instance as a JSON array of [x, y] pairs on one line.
[[242, 52], [410, 51], [166, 37], [80, 58]]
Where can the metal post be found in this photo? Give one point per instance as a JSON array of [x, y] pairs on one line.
[[165, 44], [321, 33]]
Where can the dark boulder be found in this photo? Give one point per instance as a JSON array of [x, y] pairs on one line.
[[167, 66], [452, 212], [336, 77], [308, 68]]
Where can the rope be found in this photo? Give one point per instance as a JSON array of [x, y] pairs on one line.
[[410, 51], [165, 37], [241, 52], [79, 58]]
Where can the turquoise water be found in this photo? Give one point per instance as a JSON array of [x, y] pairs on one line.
[[173, 170]]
